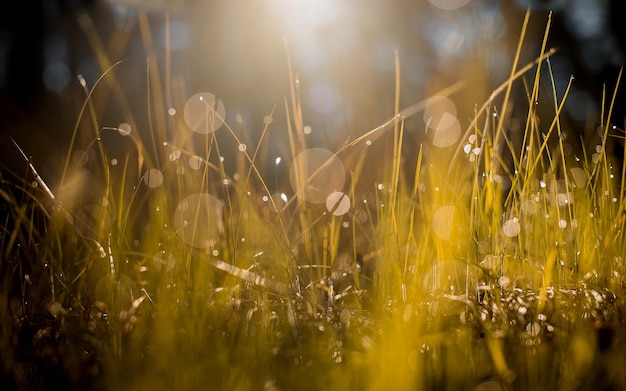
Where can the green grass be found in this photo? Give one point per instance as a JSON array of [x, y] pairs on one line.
[[493, 263]]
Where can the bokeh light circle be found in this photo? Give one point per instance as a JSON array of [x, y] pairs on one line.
[[163, 261], [198, 220], [449, 5], [204, 113], [338, 203], [440, 116], [579, 177], [316, 173], [124, 129], [117, 292], [153, 178], [511, 228], [195, 162], [442, 221]]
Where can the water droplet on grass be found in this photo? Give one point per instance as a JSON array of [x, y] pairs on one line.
[[242, 147]]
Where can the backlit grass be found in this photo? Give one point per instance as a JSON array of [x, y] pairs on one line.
[[485, 258]]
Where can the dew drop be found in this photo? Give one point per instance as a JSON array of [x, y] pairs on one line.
[[243, 147], [114, 162], [307, 129], [171, 111]]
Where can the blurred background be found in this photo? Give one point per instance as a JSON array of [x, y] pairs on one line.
[[342, 54]]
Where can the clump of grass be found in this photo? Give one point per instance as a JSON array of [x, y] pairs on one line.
[[494, 262]]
